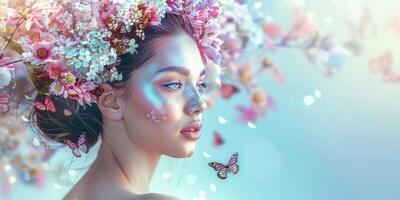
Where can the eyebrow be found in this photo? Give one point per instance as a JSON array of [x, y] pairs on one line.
[[180, 70]]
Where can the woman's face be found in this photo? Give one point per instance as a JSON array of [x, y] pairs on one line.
[[165, 98]]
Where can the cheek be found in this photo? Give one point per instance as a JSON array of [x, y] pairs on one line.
[[174, 115], [152, 105]]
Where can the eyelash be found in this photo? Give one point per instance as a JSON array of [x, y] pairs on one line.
[[178, 84]]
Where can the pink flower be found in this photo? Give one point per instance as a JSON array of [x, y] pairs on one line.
[[212, 28], [107, 9], [57, 88], [200, 19], [246, 74], [82, 93], [214, 11], [150, 17], [174, 6], [210, 47], [271, 33], [273, 30], [13, 16], [259, 98], [191, 3], [68, 78], [87, 96], [37, 52], [4, 62], [42, 52], [55, 71], [73, 92], [303, 25], [213, 54], [35, 16]]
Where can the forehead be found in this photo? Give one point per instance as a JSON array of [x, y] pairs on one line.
[[176, 50]]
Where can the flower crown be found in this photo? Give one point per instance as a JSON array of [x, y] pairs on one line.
[[72, 46]]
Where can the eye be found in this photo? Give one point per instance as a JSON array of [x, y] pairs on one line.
[[174, 85], [202, 86]]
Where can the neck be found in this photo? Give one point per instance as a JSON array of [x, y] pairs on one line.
[[124, 162]]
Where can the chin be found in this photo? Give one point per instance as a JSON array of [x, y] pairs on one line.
[[183, 151]]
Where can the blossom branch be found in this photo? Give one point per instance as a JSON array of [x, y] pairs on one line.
[[12, 34], [10, 63]]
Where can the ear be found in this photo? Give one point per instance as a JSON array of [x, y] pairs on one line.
[[110, 102]]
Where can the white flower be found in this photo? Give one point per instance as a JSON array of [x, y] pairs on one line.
[[132, 46], [115, 75], [5, 77], [27, 56]]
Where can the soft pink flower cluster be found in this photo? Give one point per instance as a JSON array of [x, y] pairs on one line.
[[76, 43]]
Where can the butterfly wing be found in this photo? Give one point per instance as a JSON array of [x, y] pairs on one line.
[[233, 160], [222, 174], [4, 107], [218, 141], [82, 144], [217, 166], [391, 77], [227, 90], [222, 169], [76, 152], [382, 64], [4, 99], [40, 106], [49, 104], [234, 168], [74, 148]]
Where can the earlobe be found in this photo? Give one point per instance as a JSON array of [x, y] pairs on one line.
[[118, 116], [109, 105]]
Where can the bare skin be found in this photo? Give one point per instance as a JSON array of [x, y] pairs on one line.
[[132, 143]]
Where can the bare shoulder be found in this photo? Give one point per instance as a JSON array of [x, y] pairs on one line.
[[155, 196]]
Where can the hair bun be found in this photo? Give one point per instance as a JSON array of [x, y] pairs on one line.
[[69, 120]]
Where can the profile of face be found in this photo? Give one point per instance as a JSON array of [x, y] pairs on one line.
[[162, 111]]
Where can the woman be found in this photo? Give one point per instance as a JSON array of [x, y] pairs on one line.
[[154, 109]]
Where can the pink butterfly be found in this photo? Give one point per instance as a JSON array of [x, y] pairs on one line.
[[48, 105], [218, 141], [247, 114], [223, 170], [362, 26], [81, 146], [383, 65], [227, 90], [4, 104]]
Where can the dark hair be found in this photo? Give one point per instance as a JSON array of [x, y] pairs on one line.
[[59, 127]]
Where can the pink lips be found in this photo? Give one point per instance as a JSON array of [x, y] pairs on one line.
[[192, 131]]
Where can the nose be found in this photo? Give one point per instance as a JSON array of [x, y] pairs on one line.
[[195, 104]]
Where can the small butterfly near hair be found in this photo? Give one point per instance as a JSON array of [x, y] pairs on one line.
[[4, 104], [48, 105], [80, 146], [222, 170]]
